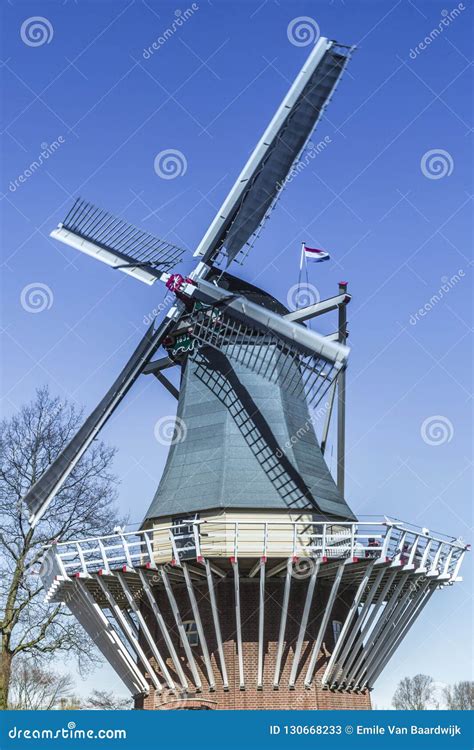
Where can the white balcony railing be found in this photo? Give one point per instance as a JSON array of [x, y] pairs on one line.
[[213, 539]]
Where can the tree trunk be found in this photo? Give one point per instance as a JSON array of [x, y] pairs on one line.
[[5, 674]]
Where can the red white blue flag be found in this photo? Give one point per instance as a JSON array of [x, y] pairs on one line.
[[312, 254]]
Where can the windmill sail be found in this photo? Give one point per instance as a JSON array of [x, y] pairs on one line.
[[267, 168], [116, 243], [43, 491]]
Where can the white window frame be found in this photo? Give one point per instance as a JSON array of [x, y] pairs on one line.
[[336, 630], [190, 628]]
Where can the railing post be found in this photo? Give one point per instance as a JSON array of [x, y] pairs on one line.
[[197, 544], [149, 548], [82, 558], [386, 541], [103, 554], [458, 565], [413, 549], [323, 541], [434, 567], [426, 552], [174, 548], [126, 550], [236, 540], [59, 561], [401, 545], [448, 561], [294, 539], [353, 529], [265, 540]]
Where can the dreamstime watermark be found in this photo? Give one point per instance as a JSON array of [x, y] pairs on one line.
[[302, 295], [170, 430], [437, 430], [36, 297], [308, 425], [167, 301], [36, 31], [437, 163], [71, 732], [170, 163], [311, 152], [181, 17], [303, 568], [447, 284], [447, 17], [303, 31], [47, 150]]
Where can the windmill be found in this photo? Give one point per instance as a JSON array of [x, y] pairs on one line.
[[251, 582]]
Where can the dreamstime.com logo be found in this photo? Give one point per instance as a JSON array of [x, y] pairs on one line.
[[311, 152], [150, 317], [36, 31], [170, 430], [437, 430], [70, 732], [447, 284], [47, 150], [36, 297], [303, 31], [302, 295], [180, 18], [170, 163], [436, 164], [447, 17]]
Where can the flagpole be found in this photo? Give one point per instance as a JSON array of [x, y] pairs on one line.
[[302, 256]]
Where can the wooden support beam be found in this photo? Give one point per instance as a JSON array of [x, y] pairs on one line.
[[304, 621], [373, 677], [217, 627], [128, 632], [158, 365], [319, 308], [261, 624], [355, 656], [390, 614], [238, 624], [92, 618], [200, 629], [347, 623], [182, 633], [322, 628], [339, 675], [283, 618], [393, 631], [168, 384], [163, 628], [144, 629]]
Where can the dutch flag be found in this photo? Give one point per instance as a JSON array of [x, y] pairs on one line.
[[312, 254]]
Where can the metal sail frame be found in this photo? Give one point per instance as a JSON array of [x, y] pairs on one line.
[[215, 237]]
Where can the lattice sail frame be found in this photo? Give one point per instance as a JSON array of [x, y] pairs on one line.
[[301, 372], [115, 242]]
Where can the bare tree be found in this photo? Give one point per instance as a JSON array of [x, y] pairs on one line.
[[415, 694], [29, 441], [33, 687], [460, 696], [107, 701]]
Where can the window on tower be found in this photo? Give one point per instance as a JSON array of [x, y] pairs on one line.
[[336, 629], [190, 628]]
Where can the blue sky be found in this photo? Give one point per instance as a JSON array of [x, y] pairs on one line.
[[395, 228]]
